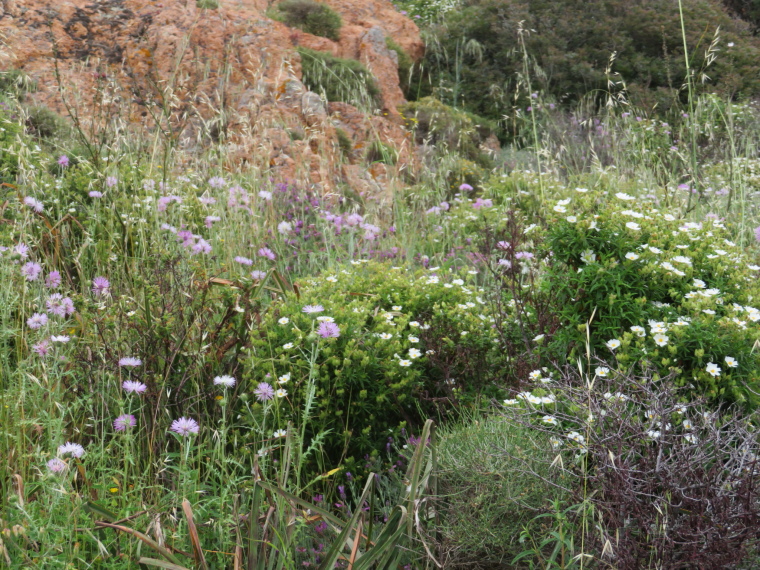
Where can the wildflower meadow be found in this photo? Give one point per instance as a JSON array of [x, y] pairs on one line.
[[542, 353]]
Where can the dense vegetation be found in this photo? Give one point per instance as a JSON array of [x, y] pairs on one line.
[[538, 356], [491, 56]]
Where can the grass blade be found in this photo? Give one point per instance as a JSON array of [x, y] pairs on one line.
[[200, 560]]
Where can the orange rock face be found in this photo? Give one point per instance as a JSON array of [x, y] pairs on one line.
[[194, 75]]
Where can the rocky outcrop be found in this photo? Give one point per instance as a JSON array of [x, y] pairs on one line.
[[196, 75]]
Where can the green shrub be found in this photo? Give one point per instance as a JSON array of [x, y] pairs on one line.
[[475, 59], [673, 296], [439, 125], [44, 123], [376, 376], [207, 4], [489, 496], [311, 17], [338, 79]]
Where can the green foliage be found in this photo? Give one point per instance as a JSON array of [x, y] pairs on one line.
[[14, 83], [345, 144], [338, 79], [207, 4], [405, 63], [439, 125], [475, 60], [381, 152], [309, 16], [9, 134], [748, 10], [376, 377], [44, 123], [489, 496], [427, 10], [686, 282]]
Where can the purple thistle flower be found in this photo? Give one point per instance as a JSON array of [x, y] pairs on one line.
[[216, 182], [22, 250], [35, 205], [100, 286], [209, 221], [68, 306], [244, 260], [757, 233], [310, 309], [465, 187], [201, 246], [37, 321], [53, 280], [354, 219], [184, 426], [328, 330], [95, 194], [63, 160], [111, 181], [481, 203], [207, 201], [42, 348], [523, 255], [56, 465], [130, 361], [124, 422], [133, 387], [264, 392], [74, 449], [258, 274], [55, 305], [505, 245], [268, 253], [31, 271]]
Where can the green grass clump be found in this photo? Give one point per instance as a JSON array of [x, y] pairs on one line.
[[489, 495], [338, 79], [311, 17], [381, 152]]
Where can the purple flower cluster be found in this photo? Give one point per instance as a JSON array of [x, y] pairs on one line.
[[124, 422], [100, 286], [164, 201], [263, 392], [195, 243], [238, 199], [328, 330], [31, 271], [268, 253], [34, 204], [37, 321], [184, 426], [482, 203], [59, 305], [217, 182]]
